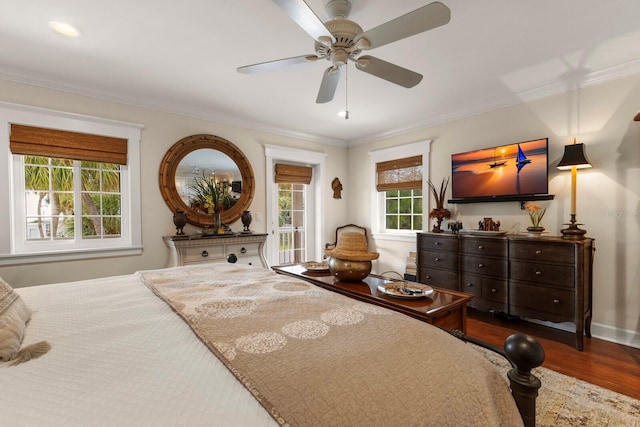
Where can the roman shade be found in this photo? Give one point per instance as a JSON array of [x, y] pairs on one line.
[[399, 174], [36, 141], [292, 174]]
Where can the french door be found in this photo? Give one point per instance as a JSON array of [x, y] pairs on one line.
[[292, 223]]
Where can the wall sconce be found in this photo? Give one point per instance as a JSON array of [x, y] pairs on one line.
[[574, 158]]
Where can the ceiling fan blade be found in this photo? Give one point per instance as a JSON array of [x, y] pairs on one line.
[[388, 71], [329, 84], [422, 19], [305, 17], [277, 64]]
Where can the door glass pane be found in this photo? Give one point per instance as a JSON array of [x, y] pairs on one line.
[[291, 223]]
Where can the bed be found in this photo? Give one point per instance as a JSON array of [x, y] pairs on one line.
[[233, 345]]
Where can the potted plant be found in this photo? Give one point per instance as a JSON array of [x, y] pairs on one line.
[[439, 212], [536, 213]]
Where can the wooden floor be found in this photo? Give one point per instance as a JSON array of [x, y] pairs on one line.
[[609, 365]]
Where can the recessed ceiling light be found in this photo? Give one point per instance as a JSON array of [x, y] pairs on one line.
[[64, 28]]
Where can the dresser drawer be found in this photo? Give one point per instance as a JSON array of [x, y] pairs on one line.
[[242, 249], [447, 260], [484, 246], [560, 276], [485, 287], [484, 266], [203, 254], [439, 278], [440, 243], [556, 302], [541, 251]]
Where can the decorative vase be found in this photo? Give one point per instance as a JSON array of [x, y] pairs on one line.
[[439, 214], [534, 231], [217, 222], [179, 220], [246, 220], [349, 271]]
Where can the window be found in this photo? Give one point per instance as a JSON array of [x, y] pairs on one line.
[[400, 176], [72, 184], [292, 181], [51, 198], [403, 209]]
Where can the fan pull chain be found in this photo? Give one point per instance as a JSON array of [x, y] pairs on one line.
[[346, 92]]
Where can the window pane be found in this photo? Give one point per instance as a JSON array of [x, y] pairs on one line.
[[405, 222], [36, 178], [62, 179], [392, 206], [405, 206], [111, 226], [111, 182], [90, 180], [417, 222], [392, 222], [110, 204]]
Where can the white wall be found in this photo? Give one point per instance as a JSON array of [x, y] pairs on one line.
[[161, 131], [608, 202]]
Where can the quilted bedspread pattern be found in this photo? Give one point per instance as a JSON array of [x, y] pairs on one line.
[[313, 357]]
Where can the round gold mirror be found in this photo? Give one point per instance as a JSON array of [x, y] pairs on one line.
[[206, 157]]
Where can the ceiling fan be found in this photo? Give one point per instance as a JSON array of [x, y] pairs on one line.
[[340, 40]]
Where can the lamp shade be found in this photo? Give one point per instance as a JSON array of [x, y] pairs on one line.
[[574, 155], [637, 117]]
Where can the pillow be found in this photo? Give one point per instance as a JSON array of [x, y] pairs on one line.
[[14, 315]]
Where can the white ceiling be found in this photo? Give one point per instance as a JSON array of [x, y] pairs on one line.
[[181, 56]]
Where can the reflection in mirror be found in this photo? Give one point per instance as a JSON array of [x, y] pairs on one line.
[[206, 159], [207, 165]]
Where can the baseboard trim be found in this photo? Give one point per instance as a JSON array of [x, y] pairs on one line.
[[621, 336]]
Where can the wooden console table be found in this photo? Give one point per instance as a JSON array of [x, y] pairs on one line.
[[238, 248], [444, 308]]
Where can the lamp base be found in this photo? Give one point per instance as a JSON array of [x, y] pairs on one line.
[[572, 232]]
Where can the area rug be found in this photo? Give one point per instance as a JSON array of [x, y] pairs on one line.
[[568, 401]]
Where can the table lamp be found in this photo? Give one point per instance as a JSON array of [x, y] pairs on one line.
[[574, 158]]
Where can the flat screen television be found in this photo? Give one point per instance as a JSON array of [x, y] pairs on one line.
[[504, 173]]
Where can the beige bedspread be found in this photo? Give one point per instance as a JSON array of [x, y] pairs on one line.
[[313, 357]]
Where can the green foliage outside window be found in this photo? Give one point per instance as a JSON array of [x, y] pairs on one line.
[[403, 210], [52, 182]]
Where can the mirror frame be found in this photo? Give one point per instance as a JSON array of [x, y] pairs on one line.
[[172, 159]]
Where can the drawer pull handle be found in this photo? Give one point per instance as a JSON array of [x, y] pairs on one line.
[[469, 285], [205, 254], [436, 243], [480, 247], [538, 252], [427, 276], [494, 290], [538, 273], [243, 250], [480, 265], [556, 301], [437, 259], [232, 258]]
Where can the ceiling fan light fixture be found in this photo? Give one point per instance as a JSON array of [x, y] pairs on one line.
[[64, 28]]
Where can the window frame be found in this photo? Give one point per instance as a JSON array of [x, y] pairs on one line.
[[378, 199], [15, 250]]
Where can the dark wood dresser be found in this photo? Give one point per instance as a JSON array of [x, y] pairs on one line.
[[544, 278]]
